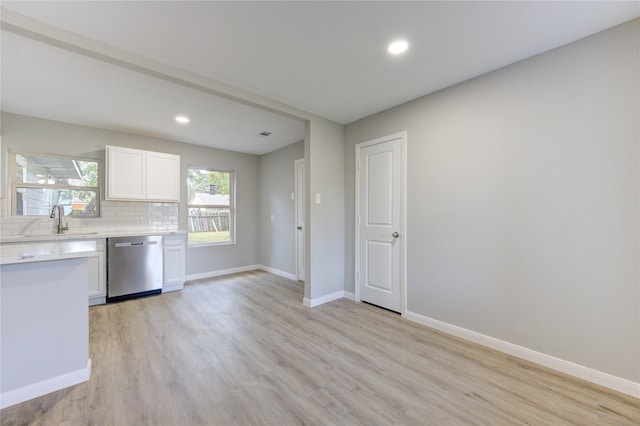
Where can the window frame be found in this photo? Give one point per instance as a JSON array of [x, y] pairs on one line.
[[231, 207], [15, 184]]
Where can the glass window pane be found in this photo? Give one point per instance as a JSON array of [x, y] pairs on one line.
[[55, 171], [210, 206], [40, 201], [209, 225], [209, 187]]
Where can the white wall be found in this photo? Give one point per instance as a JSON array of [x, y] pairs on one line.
[[523, 202], [29, 134], [276, 183]]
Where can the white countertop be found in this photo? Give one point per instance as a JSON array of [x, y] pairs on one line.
[[39, 248], [44, 251], [82, 236]]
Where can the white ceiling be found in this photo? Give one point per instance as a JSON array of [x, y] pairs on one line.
[[48, 82], [326, 58]]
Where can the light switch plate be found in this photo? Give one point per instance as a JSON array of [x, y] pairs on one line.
[[318, 198]]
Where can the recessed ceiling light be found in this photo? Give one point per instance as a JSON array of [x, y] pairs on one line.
[[397, 47], [182, 119]]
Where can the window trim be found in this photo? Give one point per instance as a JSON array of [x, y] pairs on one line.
[[231, 206], [15, 185]]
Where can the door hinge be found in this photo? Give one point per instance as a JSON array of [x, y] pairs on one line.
[[358, 276]]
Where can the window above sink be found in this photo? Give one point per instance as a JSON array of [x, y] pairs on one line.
[[41, 181]]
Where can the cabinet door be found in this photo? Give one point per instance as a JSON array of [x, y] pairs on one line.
[[96, 275], [126, 174], [163, 177], [174, 268]]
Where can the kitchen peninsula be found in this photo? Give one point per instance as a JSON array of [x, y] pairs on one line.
[[44, 319]]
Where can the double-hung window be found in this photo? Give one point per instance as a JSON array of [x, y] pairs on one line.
[[40, 182], [211, 206]]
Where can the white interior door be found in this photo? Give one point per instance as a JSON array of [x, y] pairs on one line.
[[299, 197], [380, 223]]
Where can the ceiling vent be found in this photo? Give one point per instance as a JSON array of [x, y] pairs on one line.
[[265, 134]]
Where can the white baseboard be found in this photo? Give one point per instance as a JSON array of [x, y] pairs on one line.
[[278, 272], [229, 271], [310, 303], [349, 295], [101, 300], [172, 287], [44, 387], [221, 272], [594, 376]]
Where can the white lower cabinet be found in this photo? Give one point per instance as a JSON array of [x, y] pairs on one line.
[[98, 274], [175, 247]]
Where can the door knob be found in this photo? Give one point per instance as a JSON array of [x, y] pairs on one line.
[[395, 235]]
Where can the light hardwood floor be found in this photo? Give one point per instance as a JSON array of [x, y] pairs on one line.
[[242, 350]]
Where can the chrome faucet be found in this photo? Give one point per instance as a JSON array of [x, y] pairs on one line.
[[61, 228]]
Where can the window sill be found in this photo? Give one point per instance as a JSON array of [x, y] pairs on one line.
[[196, 245]]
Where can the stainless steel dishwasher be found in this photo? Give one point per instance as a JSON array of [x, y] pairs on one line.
[[134, 267]]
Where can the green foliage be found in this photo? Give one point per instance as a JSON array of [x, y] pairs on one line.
[[89, 170], [198, 180]]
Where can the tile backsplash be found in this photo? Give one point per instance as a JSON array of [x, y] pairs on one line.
[[116, 216]]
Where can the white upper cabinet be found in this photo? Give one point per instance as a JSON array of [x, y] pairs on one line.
[[126, 175], [163, 176], [134, 174]]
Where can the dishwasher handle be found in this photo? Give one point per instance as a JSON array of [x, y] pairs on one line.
[[140, 243]]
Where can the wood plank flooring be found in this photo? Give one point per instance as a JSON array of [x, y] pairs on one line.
[[242, 350]]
